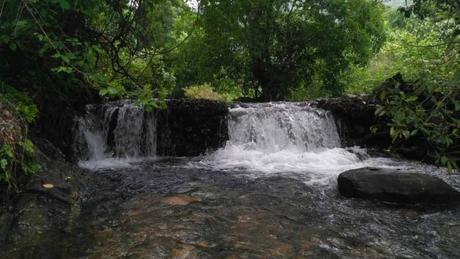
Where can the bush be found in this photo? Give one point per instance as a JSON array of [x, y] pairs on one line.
[[205, 92], [17, 153], [428, 115]]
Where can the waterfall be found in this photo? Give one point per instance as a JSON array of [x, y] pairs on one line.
[[274, 127], [287, 138], [264, 138], [120, 130]]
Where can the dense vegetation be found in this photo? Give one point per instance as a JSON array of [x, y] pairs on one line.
[[424, 46], [223, 50]]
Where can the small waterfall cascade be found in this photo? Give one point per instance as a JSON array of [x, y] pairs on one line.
[[287, 138], [263, 138], [272, 127], [115, 130]]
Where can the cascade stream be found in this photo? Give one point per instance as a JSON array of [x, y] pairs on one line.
[[269, 192]]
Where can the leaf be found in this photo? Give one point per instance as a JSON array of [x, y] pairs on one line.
[[380, 111], [62, 69], [65, 5], [109, 91], [457, 106], [13, 46], [3, 164], [4, 39], [411, 99], [28, 147]]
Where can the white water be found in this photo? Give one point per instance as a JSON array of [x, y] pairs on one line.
[[287, 138], [266, 139], [115, 135]]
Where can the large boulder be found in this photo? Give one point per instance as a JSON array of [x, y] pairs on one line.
[[395, 186], [45, 210]]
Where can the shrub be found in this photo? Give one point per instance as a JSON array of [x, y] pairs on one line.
[[17, 152], [205, 92], [427, 114]]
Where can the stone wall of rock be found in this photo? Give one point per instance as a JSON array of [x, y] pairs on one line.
[[57, 113], [354, 117], [191, 127]]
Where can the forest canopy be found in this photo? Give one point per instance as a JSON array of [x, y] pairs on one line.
[[153, 49]]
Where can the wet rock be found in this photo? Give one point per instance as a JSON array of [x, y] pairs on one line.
[[354, 117], [41, 216], [191, 127], [184, 251], [6, 219], [180, 200], [395, 186], [57, 113]]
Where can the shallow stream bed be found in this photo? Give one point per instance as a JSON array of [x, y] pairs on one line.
[[178, 208]]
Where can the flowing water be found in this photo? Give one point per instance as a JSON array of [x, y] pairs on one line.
[[114, 134], [271, 192]]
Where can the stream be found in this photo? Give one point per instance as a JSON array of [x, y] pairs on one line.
[[271, 192]]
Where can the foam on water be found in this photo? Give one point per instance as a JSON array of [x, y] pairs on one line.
[[287, 138], [266, 139], [107, 163]]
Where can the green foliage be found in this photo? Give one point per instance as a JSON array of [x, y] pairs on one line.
[[425, 112], [205, 92], [272, 47], [116, 47], [17, 153], [22, 103], [17, 159], [423, 50], [6, 163]]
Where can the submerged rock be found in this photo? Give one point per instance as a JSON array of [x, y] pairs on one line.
[[395, 186], [180, 200]]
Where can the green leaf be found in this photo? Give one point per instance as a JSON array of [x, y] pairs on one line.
[[27, 146], [13, 46], [109, 91], [411, 99], [65, 5], [3, 164]]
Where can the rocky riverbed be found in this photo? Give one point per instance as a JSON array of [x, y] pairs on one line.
[[173, 208], [270, 191]]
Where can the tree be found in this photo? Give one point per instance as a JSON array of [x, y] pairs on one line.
[[423, 46], [117, 47], [283, 44]]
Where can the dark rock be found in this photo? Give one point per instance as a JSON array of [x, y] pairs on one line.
[[354, 117], [44, 210], [191, 127], [395, 186], [6, 218], [57, 112]]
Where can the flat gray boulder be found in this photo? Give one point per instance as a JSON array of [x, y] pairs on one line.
[[395, 186]]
